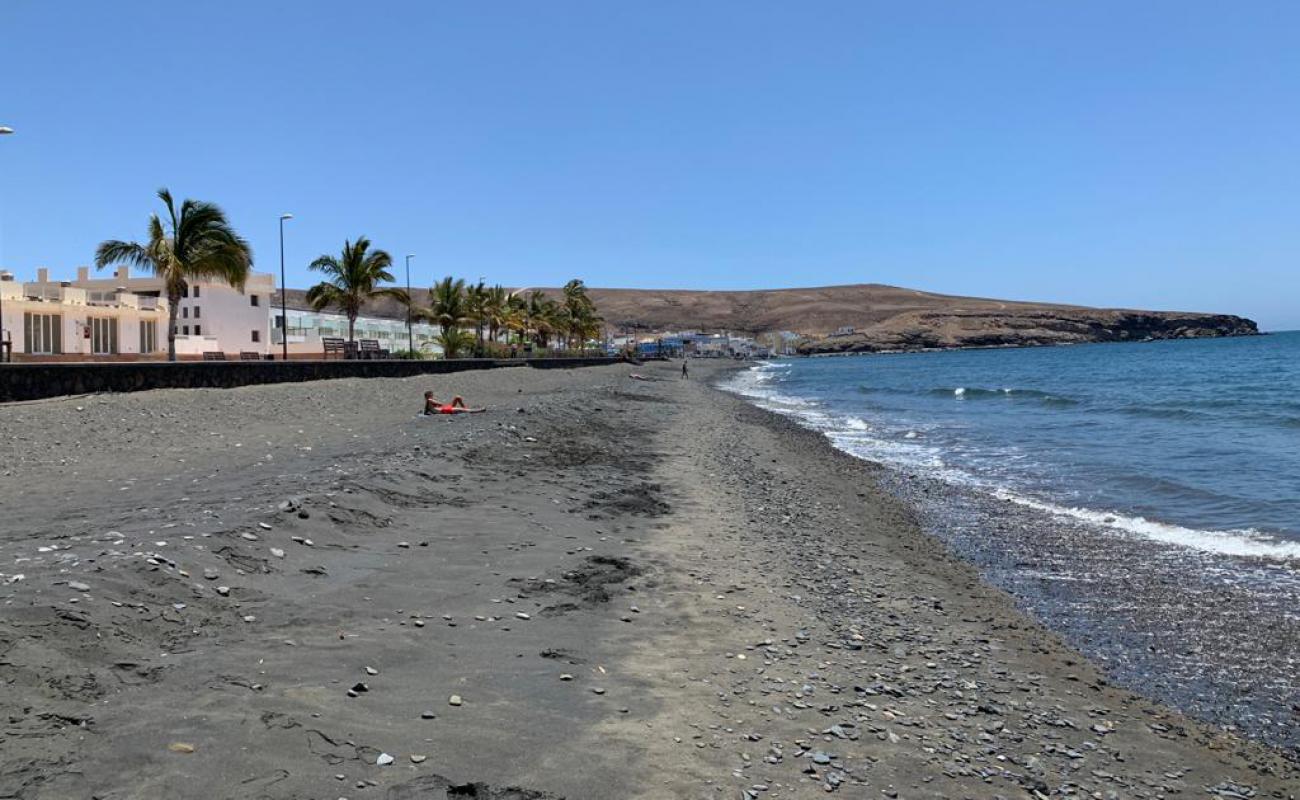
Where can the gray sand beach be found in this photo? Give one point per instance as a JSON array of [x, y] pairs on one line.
[[601, 588]]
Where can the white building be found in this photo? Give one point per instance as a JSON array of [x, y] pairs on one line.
[[121, 315], [44, 321], [212, 316], [307, 328]]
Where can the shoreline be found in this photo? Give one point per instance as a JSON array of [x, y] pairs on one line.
[[1175, 620], [739, 609]]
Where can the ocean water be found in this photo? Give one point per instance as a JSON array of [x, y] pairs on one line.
[[1141, 499], [1194, 443]]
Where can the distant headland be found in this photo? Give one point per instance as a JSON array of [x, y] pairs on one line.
[[875, 317]]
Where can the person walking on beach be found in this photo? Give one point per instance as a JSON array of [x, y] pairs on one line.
[[456, 406], [685, 374]]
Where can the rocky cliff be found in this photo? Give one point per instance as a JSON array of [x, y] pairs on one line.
[[1022, 328]]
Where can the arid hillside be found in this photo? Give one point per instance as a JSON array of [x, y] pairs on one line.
[[883, 317]]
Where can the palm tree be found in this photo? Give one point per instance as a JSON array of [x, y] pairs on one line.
[[582, 320], [548, 321], [196, 244], [353, 278], [476, 297], [496, 306], [453, 341], [447, 307]]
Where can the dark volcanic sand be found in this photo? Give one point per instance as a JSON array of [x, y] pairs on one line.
[[739, 610]]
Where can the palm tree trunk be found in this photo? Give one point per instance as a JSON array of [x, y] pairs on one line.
[[173, 308], [352, 324]]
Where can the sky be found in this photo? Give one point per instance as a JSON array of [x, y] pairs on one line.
[[1105, 152]]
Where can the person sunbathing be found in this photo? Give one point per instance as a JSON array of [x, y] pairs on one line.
[[457, 406]]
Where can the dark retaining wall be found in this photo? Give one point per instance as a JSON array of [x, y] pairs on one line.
[[37, 381]]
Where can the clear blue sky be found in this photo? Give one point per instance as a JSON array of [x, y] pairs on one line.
[[1144, 154]]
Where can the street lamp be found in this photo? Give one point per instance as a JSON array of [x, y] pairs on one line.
[[4, 131], [410, 331], [284, 304]]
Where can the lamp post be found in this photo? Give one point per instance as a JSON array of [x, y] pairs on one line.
[[410, 331], [5, 130], [284, 306]]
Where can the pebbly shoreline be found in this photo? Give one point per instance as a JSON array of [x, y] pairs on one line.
[[603, 588]]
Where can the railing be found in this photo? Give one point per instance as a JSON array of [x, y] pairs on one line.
[[42, 292]]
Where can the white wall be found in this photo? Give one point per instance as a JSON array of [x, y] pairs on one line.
[[224, 313]]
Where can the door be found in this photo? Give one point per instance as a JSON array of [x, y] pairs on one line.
[[103, 336]]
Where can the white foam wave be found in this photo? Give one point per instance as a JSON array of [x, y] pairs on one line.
[[1241, 542], [850, 434]]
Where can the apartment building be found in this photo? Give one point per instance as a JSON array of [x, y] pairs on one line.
[[46, 321], [306, 328], [102, 316], [211, 316]]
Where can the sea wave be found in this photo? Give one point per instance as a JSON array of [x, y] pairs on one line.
[[1006, 393], [1243, 542], [907, 449]]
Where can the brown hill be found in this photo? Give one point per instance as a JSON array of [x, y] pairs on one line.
[[882, 317]]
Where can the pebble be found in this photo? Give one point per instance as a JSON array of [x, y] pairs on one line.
[[224, 591], [277, 552], [522, 615], [264, 526], [77, 586], [417, 759], [252, 537], [428, 715], [454, 700], [371, 671], [383, 760], [211, 574]]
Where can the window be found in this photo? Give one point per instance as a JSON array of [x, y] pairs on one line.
[[279, 320], [185, 330], [148, 336], [185, 312], [196, 291], [257, 336], [196, 312], [103, 336], [198, 331], [185, 291], [42, 333], [252, 299]]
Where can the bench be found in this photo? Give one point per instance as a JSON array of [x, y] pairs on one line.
[[214, 355], [334, 345], [248, 355], [369, 348]]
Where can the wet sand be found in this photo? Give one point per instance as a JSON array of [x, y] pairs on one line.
[[602, 588]]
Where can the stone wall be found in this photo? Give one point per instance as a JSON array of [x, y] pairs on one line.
[[36, 381]]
